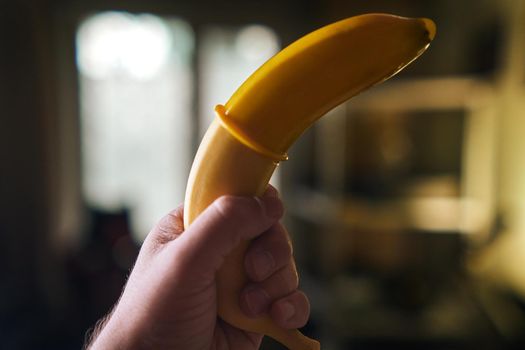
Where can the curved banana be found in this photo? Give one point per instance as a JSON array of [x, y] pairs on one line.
[[272, 108]]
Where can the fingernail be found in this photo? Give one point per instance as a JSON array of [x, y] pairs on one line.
[[271, 192], [262, 263], [273, 207], [256, 300], [287, 310]]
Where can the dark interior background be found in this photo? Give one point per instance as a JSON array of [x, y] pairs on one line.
[[377, 278]]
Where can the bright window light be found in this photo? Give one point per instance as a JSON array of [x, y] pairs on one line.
[[135, 80], [116, 43], [256, 43], [229, 56]]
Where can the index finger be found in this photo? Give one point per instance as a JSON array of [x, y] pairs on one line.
[[168, 228]]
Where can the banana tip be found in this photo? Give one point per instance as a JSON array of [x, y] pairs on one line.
[[430, 27]]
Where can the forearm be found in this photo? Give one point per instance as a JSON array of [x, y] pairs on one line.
[[93, 333], [113, 332]]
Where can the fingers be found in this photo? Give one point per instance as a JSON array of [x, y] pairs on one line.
[[291, 311], [271, 191], [172, 225], [224, 224], [256, 298], [270, 266], [268, 253], [166, 230]]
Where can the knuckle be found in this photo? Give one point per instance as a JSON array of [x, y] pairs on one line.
[[167, 229], [282, 239], [168, 222], [288, 249], [282, 251], [295, 279], [226, 206], [240, 207], [290, 279], [171, 222], [229, 209]]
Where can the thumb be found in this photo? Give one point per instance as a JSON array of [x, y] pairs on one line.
[[220, 228]]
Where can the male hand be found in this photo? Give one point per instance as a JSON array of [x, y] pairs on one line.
[[170, 299]]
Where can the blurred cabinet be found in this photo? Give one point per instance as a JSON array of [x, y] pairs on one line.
[[416, 154], [385, 195]]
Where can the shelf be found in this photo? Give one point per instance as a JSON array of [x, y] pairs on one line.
[[439, 214]]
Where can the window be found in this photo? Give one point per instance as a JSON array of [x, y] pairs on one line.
[[136, 76], [135, 95], [228, 57]]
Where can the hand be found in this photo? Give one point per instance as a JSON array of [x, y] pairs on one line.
[[170, 298]]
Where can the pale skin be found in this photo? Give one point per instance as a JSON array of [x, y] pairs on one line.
[[170, 302]]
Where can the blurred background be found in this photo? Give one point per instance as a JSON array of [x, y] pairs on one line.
[[406, 204]]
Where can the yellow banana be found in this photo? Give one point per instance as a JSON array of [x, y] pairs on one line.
[[273, 107]]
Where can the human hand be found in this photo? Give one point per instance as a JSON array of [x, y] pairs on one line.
[[170, 299]]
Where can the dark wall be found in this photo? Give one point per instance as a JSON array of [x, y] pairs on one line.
[[33, 291], [24, 176]]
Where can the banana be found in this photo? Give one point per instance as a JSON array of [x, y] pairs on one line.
[[273, 107]]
